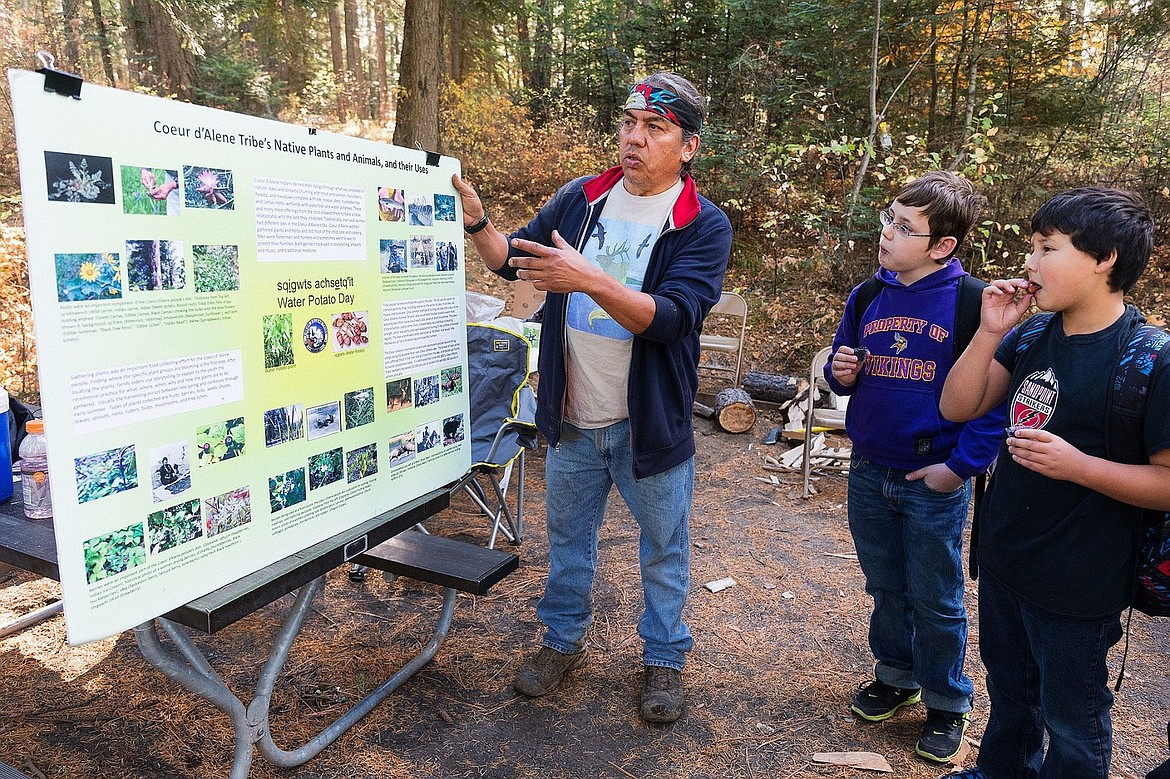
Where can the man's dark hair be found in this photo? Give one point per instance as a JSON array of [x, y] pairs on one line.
[[688, 93], [949, 201], [1100, 221]]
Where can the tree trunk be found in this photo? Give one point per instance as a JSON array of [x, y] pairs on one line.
[[353, 56], [383, 69], [417, 116], [175, 63], [338, 56], [104, 42], [71, 30], [139, 43]]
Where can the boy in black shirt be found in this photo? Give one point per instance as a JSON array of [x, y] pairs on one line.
[[1058, 529]]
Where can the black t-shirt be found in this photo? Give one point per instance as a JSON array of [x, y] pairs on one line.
[[1055, 544]]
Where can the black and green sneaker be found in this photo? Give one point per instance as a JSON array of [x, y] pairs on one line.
[[942, 735], [878, 701]]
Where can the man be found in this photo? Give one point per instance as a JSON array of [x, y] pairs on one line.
[[632, 260]]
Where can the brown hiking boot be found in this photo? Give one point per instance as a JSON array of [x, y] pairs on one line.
[[662, 694], [542, 673]]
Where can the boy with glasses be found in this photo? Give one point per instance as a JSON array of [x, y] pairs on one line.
[[909, 477]]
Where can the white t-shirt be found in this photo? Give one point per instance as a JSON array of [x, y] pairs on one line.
[[598, 356]]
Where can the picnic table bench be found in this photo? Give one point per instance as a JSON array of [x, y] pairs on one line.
[[380, 542]]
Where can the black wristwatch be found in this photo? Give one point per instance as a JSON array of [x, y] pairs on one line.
[[475, 227]]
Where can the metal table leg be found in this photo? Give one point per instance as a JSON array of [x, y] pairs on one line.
[[187, 666]]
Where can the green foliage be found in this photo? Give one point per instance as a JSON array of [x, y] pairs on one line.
[[286, 489], [114, 553], [278, 344], [174, 526], [235, 84], [359, 408], [217, 268]]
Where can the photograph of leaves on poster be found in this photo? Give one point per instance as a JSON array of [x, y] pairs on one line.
[[151, 191], [453, 430], [285, 424], [286, 489], [220, 441], [444, 208], [105, 473], [217, 268], [113, 553], [326, 468], [359, 407], [174, 526], [401, 449], [208, 188], [88, 277], [361, 462], [398, 394], [229, 510], [155, 265], [79, 178], [170, 471], [278, 341]]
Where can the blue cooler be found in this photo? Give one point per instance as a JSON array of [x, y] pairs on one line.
[[5, 450]]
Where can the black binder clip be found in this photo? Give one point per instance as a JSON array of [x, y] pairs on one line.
[[67, 84], [433, 157]]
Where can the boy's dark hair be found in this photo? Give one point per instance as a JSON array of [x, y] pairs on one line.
[[948, 200], [1099, 221]]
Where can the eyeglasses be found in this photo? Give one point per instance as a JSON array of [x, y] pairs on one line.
[[886, 217]]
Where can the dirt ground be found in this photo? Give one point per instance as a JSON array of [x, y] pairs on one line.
[[776, 659]]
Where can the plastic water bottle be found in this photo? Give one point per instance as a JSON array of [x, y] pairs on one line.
[[34, 472], [5, 450]]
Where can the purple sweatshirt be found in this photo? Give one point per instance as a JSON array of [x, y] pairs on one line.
[[893, 417]]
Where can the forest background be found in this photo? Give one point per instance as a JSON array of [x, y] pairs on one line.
[[819, 110]]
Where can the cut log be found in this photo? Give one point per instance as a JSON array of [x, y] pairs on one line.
[[734, 411], [772, 387], [703, 410]]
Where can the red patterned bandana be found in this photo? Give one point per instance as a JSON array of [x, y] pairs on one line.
[[646, 97]]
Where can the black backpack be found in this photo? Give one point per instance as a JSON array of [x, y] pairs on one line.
[[1146, 345]]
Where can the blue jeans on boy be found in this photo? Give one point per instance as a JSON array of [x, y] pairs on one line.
[[1045, 673], [579, 473], [909, 542]]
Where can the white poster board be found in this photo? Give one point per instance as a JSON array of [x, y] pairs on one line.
[[250, 337]]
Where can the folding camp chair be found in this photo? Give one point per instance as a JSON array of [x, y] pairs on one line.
[[813, 417], [503, 410]]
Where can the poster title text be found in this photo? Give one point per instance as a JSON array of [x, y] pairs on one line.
[[247, 140]]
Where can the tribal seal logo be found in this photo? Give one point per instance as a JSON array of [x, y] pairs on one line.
[[1035, 400]]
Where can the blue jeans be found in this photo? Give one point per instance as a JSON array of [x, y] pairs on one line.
[[579, 472], [909, 542], [1045, 674]]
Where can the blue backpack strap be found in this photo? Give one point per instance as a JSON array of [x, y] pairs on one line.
[[1131, 383], [1130, 390]]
